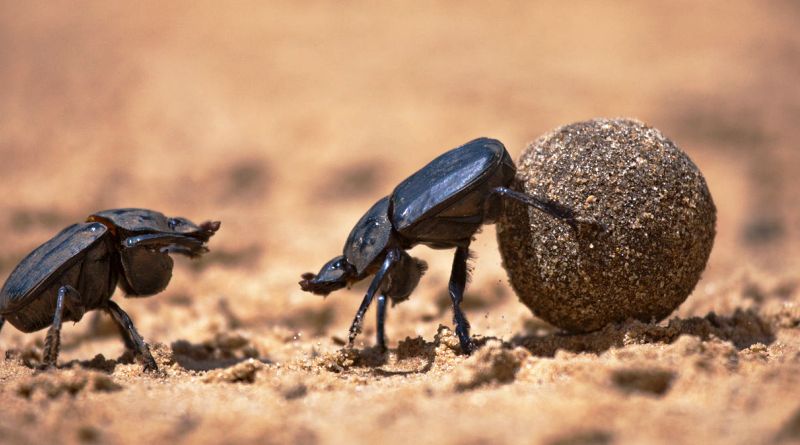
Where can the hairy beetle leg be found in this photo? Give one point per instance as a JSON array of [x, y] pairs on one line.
[[552, 208], [579, 224], [68, 298], [458, 282], [126, 324]]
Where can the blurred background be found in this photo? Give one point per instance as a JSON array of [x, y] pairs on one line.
[[287, 120]]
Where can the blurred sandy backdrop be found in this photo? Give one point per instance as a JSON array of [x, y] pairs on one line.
[[288, 120]]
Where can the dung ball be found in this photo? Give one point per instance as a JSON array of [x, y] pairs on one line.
[[648, 196]]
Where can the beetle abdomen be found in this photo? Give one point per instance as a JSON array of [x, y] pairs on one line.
[[46, 263], [445, 200], [93, 276], [38, 313]]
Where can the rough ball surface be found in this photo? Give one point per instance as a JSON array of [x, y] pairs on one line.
[[651, 198]]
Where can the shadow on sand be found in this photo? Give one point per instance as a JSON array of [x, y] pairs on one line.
[[743, 328]]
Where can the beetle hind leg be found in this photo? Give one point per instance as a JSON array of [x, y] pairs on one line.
[[551, 208], [68, 298], [133, 338], [458, 282], [123, 334], [380, 337]]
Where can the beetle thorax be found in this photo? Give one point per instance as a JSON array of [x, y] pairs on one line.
[[371, 236]]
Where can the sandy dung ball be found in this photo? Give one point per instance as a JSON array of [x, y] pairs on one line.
[[659, 223]]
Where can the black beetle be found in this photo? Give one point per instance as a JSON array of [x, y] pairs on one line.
[[441, 206], [78, 270]]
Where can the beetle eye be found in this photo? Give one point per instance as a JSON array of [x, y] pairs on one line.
[[339, 264], [172, 223]]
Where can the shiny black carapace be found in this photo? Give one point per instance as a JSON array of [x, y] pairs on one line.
[[78, 270], [441, 206]]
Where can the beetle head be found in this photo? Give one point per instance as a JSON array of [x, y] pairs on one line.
[[334, 275], [151, 229], [183, 226]]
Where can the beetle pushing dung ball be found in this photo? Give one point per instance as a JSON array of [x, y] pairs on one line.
[[78, 270], [616, 223], [604, 220], [441, 206]]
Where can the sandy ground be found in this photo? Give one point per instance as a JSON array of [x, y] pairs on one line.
[[287, 120]]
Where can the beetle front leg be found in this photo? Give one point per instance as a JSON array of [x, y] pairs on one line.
[[355, 328], [67, 296], [458, 282], [173, 243], [126, 324]]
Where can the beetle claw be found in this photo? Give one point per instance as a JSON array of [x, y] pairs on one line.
[[150, 367], [149, 363]]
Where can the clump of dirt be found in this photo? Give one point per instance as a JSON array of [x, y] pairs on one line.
[[444, 347], [244, 372], [446, 342], [222, 350], [292, 389], [54, 383], [646, 380], [340, 360], [414, 347], [743, 328], [163, 355], [100, 363], [29, 355], [492, 363]]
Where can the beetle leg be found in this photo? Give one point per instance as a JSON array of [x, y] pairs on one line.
[[458, 282], [2, 322], [123, 333], [355, 328], [126, 324], [552, 208], [379, 335], [52, 342], [184, 245]]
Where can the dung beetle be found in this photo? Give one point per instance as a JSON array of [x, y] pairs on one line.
[[78, 270], [441, 206]]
